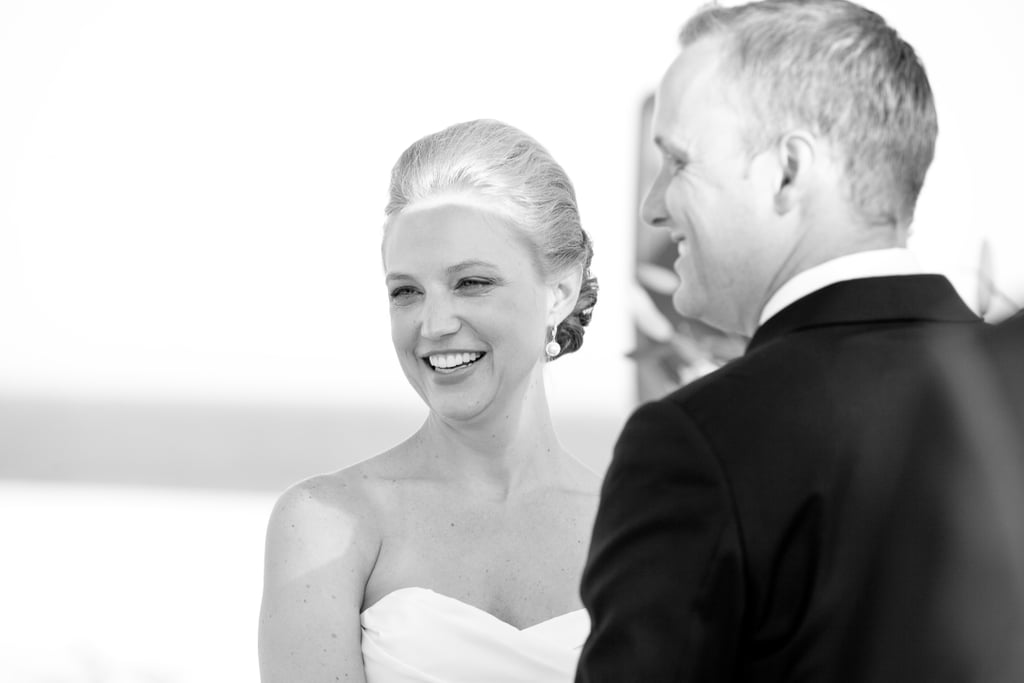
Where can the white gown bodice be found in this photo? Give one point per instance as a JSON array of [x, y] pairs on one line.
[[415, 635]]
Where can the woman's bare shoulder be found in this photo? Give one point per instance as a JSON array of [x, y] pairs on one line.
[[330, 515], [351, 493], [323, 541]]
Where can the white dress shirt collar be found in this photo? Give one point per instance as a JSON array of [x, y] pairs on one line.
[[875, 263]]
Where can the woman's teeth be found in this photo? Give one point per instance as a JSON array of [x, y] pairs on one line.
[[447, 361]]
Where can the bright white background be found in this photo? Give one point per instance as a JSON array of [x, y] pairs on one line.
[[191, 197]]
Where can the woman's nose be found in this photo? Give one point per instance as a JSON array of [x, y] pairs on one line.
[[439, 318]]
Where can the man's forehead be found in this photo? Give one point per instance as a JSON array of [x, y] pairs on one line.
[[694, 85], [696, 70]]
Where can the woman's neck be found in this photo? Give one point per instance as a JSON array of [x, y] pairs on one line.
[[510, 448]]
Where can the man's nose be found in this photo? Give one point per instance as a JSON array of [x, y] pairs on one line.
[[439, 318], [653, 211]]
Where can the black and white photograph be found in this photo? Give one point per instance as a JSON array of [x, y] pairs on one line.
[[553, 342]]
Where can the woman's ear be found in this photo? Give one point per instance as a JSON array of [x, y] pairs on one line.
[[796, 155], [563, 292]]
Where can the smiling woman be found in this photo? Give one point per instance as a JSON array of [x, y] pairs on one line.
[[482, 514], [468, 309]]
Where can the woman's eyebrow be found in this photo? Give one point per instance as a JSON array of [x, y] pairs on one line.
[[465, 265], [450, 270]]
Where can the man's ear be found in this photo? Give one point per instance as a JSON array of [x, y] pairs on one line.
[[797, 154], [564, 291]]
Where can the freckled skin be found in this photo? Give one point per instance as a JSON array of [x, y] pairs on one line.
[[482, 504]]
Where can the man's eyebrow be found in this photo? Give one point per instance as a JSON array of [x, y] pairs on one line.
[[669, 148]]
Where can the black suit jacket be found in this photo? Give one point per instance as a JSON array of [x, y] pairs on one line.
[[941, 595], [724, 513]]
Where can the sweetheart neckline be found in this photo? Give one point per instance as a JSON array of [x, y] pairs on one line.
[[474, 608]]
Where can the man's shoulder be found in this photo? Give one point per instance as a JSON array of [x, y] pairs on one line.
[[1007, 339], [810, 371], [986, 360]]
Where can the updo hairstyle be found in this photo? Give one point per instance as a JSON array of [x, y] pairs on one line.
[[511, 171]]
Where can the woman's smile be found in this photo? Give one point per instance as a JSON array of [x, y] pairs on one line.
[[447, 363], [468, 308]]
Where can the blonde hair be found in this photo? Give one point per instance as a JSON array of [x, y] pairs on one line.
[[512, 172]]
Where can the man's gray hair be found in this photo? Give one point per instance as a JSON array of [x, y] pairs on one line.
[[838, 70]]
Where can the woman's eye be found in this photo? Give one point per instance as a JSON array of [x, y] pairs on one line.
[[401, 295], [472, 283]]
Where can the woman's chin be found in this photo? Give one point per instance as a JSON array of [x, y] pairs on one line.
[[460, 413]]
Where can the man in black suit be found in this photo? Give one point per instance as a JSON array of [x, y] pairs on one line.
[[795, 140]]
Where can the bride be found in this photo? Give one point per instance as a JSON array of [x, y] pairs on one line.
[[456, 555]]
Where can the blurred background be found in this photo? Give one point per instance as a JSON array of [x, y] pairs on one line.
[[192, 309]]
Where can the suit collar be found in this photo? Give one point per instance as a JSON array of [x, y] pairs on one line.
[[860, 264], [875, 299]]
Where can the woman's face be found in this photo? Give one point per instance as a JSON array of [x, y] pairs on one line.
[[469, 310]]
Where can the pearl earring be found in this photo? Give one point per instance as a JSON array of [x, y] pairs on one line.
[[552, 348]]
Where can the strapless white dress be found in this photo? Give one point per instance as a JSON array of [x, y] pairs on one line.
[[415, 635]]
